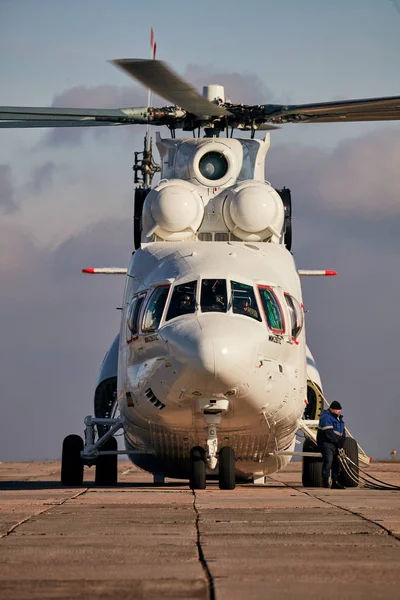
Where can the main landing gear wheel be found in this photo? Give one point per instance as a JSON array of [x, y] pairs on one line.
[[197, 468], [71, 461], [226, 468], [107, 464], [351, 449], [312, 467]]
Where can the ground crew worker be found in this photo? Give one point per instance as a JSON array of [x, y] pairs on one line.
[[330, 438]]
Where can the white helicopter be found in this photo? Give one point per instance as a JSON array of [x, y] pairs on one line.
[[210, 371]]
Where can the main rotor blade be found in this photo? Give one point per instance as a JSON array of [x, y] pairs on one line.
[[367, 109], [28, 116], [156, 75]]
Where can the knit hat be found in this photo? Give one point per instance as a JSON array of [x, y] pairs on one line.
[[335, 405]]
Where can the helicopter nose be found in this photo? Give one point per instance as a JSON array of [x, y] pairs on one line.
[[215, 348]]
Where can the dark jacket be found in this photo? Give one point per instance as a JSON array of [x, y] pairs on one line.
[[331, 429]]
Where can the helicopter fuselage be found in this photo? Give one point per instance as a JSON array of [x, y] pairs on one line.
[[216, 368]]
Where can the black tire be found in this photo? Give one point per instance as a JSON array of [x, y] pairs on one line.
[[71, 461], [351, 449], [312, 467], [227, 479], [197, 479], [107, 465]]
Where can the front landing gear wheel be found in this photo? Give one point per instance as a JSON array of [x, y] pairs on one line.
[[226, 468], [197, 468], [312, 466], [107, 464], [71, 461]]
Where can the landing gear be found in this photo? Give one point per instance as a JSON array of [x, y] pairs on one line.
[[71, 461], [312, 467], [107, 464], [197, 468], [351, 449], [226, 468]]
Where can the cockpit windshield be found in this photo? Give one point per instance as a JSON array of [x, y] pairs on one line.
[[213, 295], [183, 300], [244, 300], [272, 309]]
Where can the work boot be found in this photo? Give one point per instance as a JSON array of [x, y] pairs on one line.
[[325, 482], [337, 486]]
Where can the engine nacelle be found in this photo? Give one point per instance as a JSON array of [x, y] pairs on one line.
[[173, 210], [253, 211]]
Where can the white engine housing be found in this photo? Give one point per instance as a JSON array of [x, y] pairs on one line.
[[173, 210], [253, 211], [213, 189]]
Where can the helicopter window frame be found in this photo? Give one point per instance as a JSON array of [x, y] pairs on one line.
[[139, 299], [174, 288], [292, 314], [256, 307], [293, 304], [214, 308], [154, 291], [275, 298]]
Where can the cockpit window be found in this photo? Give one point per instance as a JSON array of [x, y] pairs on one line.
[[213, 295], [132, 315], [292, 314], [183, 300], [296, 315], [155, 308], [272, 309], [244, 300]]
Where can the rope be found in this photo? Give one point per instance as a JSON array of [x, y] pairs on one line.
[[365, 480]]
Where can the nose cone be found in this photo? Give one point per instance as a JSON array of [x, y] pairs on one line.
[[215, 346]]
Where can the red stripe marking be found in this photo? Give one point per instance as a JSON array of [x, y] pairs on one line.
[[330, 273], [87, 270]]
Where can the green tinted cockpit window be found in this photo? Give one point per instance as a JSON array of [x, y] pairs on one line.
[[272, 309]]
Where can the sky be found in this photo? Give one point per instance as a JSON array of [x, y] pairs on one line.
[[66, 196]]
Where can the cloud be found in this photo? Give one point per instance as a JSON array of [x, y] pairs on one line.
[[101, 96], [240, 88], [56, 326], [358, 178], [7, 186], [346, 216], [43, 176]]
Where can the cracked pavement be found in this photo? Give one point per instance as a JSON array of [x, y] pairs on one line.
[[151, 541]]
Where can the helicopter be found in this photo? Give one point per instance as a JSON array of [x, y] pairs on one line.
[[210, 372]]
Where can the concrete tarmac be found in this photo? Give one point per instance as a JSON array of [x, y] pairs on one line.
[[139, 541]]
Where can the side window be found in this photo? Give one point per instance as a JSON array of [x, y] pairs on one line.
[[244, 300], [299, 316], [183, 300], [213, 295], [272, 310], [292, 313], [132, 316], [155, 308]]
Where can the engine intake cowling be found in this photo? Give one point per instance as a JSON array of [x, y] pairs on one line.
[[173, 210], [253, 211]]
